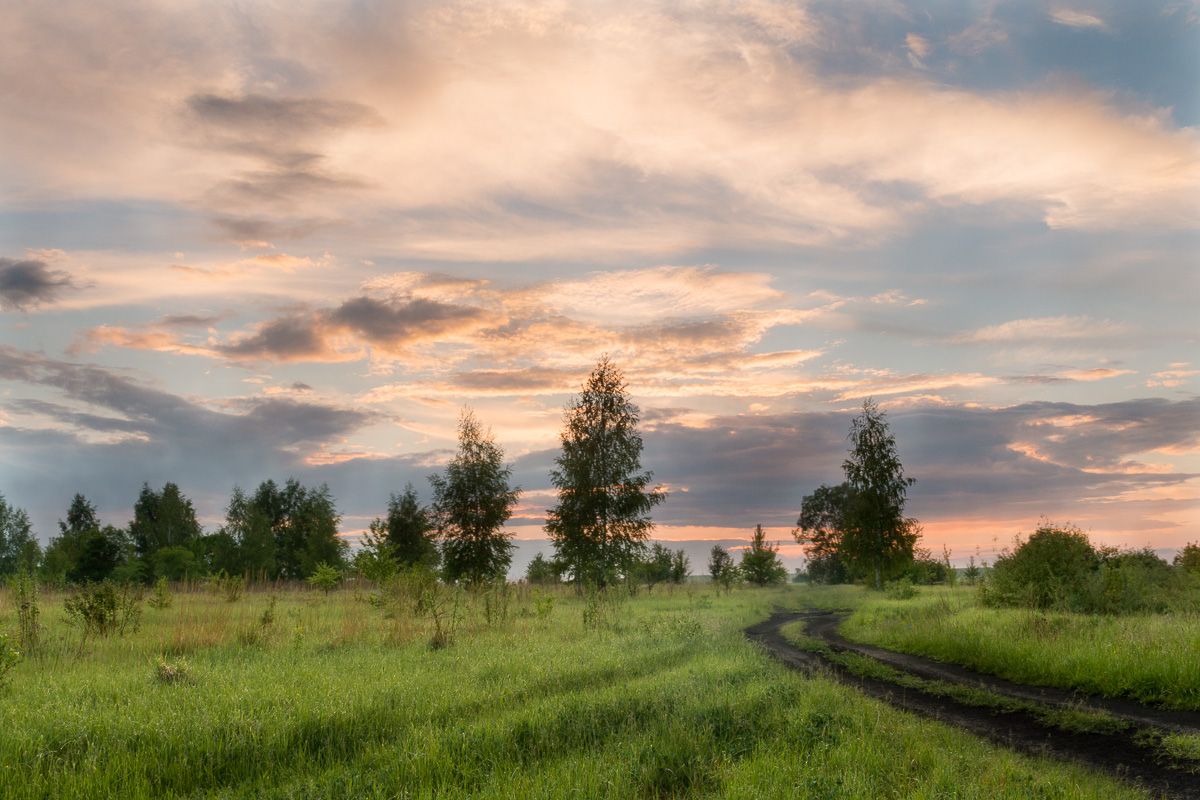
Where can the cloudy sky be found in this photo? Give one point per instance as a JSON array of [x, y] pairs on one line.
[[253, 240]]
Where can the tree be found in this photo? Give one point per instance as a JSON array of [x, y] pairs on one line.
[[19, 550], [282, 532], [543, 571], [410, 531], [163, 519], [681, 567], [249, 524], [602, 520], [83, 551], [471, 502], [760, 561], [325, 577], [877, 535], [821, 528], [101, 551], [1189, 557], [657, 566], [376, 559], [721, 567]]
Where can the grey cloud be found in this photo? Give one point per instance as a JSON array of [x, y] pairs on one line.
[[292, 337], [392, 322], [190, 320], [259, 116], [206, 451], [255, 229], [29, 282]]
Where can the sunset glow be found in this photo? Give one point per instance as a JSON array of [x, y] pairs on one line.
[[250, 241]]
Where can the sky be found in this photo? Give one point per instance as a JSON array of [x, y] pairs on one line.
[[257, 240]]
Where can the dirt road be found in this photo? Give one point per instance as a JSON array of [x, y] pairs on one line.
[[1019, 716]]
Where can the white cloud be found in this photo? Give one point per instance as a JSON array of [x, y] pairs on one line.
[[1077, 19]]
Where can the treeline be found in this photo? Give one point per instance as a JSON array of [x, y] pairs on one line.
[[600, 527]]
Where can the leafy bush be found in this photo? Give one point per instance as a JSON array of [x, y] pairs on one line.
[[1057, 568], [25, 595], [1189, 558], [161, 596], [900, 589], [325, 577], [1051, 569], [105, 608]]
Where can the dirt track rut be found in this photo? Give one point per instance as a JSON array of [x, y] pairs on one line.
[[1122, 753]]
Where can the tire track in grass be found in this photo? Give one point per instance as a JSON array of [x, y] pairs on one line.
[[1127, 750]]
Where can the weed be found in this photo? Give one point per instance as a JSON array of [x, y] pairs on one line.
[[9, 656], [178, 671], [105, 608], [161, 596], [25, 593]]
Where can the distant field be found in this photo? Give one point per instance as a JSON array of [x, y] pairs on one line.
[[659, 696], [1154, 658]]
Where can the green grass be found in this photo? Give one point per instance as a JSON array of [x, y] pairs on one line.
[[1148, 657], [336, 700]]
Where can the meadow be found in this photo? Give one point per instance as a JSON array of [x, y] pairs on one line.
[[1147, 657], [533, 693]]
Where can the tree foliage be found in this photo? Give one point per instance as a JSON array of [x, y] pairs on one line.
[[19, 550], [877, 536], [283, 532], [472, 500], [543, 571], [163, 519], [602, 521], [410, 531], [821, 529], [721, 567], [760, 561]]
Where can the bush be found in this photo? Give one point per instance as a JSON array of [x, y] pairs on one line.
[[25, 594], [105, 608], [1189, 558], [325, 577], [161, 597], [1052, 569], [900, 589], [1057, 568]]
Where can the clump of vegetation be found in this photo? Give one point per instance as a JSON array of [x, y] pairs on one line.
[[661, 565], [325, 577], [25, 594], [1057, 568], [724, 572], [232, 587], [1189, 558], [177, 671], [900, 589], [267, 620], [9, 656], [160, 597], [760, 561], [543, 571], [105, 608]]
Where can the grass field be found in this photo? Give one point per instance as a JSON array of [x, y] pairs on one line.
[[1149, 657], [659, 696]]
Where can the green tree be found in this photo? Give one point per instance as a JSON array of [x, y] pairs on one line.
[[376, 559], [410, 531], [163, 519], [721, 567], [19, 550], [285, 532], [760, 561], [101, 552], [655, 567], [472, 500], [249, 524], [602, 520], [877, 536], [83, 551], [325, 577], [543, 571], [681, 567], [821, 529], [1189, 557]]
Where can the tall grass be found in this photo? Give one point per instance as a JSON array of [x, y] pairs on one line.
[[1150, 657], [331, 697]]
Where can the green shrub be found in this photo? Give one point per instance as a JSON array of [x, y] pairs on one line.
[[105, 608], [1188, 558], [325, 577], [25, 595], [900, 589], [161, 596], [178, 671], [1053, 568]]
